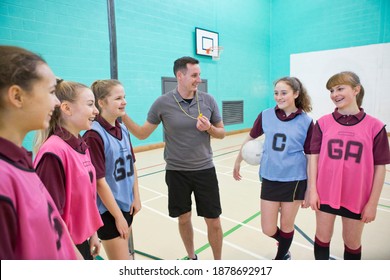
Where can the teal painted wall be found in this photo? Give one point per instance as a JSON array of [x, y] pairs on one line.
[[258, 37], [73, 37], [152, 34], [299, 26]]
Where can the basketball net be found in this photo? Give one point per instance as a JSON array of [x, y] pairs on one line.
[[215, 52]]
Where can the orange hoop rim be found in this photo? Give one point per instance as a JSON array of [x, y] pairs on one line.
[[212, 49]]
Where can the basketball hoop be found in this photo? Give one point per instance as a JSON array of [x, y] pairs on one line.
[[215, 52]]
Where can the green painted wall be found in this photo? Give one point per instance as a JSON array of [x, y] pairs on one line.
[[299, 26], [258, 37]]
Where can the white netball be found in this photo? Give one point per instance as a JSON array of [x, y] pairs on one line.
[[252, 151]]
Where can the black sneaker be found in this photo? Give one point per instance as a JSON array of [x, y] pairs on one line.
[[191, 259]]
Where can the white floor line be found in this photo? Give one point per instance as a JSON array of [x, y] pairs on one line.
[[151, 190], [218, 159], [384, 210], [202, 232], [242, 179], [241, 224], [205, 234], [154, 198], [259, 230], [230, 244], [244, 250], [159, 213], [243, 165], [230, 171]]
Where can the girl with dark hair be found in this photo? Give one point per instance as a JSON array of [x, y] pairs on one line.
[[283, 167], [31, 227]]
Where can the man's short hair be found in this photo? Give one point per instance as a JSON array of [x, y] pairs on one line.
[[180, 64]]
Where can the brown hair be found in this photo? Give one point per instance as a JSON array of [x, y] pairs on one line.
[[102, 88], [18, 66], [347, 78], [303, 100], [180, 64]]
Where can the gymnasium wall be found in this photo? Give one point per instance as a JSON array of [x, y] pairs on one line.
[[258, 37], [73, 37], [305, 26], [152, 34], [370, 62]]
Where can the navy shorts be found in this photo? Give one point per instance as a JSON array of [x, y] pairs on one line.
[[202, 183], [108, 230], [283, 191]]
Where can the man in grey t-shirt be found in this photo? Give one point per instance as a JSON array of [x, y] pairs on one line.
[[189, 117]]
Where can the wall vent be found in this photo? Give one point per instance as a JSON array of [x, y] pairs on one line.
[[233, 112]]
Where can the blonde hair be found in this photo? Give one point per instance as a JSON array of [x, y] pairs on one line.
[[347, 78], [102, 88], [65, 91], [303, 101]]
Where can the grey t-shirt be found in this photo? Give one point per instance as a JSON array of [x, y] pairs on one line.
[[186, 148]]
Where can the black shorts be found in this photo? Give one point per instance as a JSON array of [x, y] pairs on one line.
[[108, 230], [283, 191], [204, 185], [344, 212], [85, 250]]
